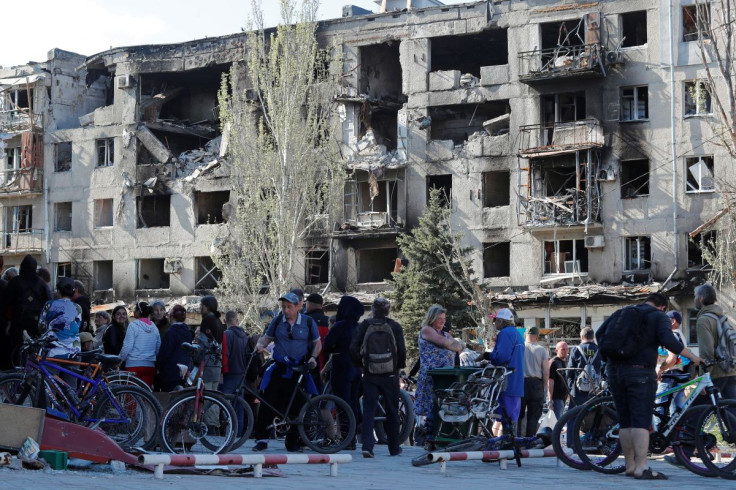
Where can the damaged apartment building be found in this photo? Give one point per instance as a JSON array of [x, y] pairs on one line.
[[572, 140]]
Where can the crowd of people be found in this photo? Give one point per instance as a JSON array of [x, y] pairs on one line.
[[364, 357]]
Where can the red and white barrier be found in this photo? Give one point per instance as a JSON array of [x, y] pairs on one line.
[[502, 456], [256, 460]]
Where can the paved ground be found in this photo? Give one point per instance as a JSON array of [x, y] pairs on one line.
[[383, 472]]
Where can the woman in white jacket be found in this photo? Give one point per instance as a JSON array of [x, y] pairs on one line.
[[141, 344]]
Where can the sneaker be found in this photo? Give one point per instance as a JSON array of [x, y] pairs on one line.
[[398, 453], [367, 453], [673, 461], [260, 446]]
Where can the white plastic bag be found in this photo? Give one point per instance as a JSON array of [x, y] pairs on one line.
[[548, 420]]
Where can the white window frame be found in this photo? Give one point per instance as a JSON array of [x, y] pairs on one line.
[[574, 259], [634, 98], [692, 160], [108, 145], [638, 241], [699, 86]]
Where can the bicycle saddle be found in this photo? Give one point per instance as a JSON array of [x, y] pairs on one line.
[[88, 355], [301, 368], [677, 377], [107, 360]]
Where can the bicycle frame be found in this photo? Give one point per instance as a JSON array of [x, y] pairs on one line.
[[702, 382]]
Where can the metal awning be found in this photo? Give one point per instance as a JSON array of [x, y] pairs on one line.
[[12, 82]]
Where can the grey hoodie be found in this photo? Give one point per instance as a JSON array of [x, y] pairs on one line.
[[141, 344]]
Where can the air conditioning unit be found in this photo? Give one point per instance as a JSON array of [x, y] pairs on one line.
[[613, 57], [124, 81], [606, 175], [172, 266], [594, 241]]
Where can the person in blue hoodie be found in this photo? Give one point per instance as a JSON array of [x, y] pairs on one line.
[[171, 352], [344, 376], [508, 352]]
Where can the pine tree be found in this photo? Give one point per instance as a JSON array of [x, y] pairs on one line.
[[434, 273]]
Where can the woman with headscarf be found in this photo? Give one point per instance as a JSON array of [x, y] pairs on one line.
[[112, 339], [159, 317], [210, 330], [141, 344], [102, 324]]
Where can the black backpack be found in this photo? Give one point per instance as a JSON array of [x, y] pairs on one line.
[[379, 348], [620, 336]]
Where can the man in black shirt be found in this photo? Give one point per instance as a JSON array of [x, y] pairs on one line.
[[558, 389], [633, 384]]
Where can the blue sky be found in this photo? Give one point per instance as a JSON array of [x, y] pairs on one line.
[[90, 26]]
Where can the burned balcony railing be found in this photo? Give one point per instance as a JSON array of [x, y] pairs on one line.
[[539, 140], [28, 240], [561, 62], [18, 120], [21, 181]]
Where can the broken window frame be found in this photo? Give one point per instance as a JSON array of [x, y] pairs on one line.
[[695, 259], [105, 152], [209, 219], [695, 22], [632, 17], [636, 102], [140, 221], [642, 259], [639, 184], [204, 271], [100, 212], [698, 184], [577, 262], [61, 163], [63, 269], [697, 100], [504, 268], [138, 284], [11, 164], [446, 197], [492, 202], [311, 260], [60, 216], [19, 219], [363, 215]]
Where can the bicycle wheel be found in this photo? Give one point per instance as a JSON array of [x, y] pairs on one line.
[[683, 439], [17, 389], [406, 418], [598, 446], [126, 378], [209, 430], [133, 422], [571, 460], [716, 440], [247, 426], [477, 443], [326, 424]]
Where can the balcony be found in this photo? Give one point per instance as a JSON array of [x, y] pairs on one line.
[[26, 241], [18, 120], [21, 182], [561, 62], [542, 140]]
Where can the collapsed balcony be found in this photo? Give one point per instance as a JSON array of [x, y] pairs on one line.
[[22, 181], [17, 104], [23, 241], [562, 190], [539, 140], [458, 122], [374, 203]]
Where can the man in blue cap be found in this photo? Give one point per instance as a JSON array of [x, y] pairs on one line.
[[296, 340]]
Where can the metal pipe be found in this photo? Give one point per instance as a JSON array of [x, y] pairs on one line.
[[672, 137], [47, 236]]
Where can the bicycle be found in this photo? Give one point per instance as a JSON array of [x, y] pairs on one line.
[[127, 414], [600, 450], [717, 435], [197, 420]]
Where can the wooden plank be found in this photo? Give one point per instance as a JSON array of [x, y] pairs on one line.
[[18, 423]]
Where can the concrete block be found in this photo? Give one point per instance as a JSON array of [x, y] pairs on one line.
[[494, 75], [414, 55], [474, 146], [440, 150], [18, 423], [104, 116], [444, 80], [460, 27], [477, 24], [496, 146]]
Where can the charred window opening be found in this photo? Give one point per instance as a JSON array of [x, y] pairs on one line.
[[103, 274], [376, 265], [565, 257], [370, 202], [497, 259], [382, 120], [153, 211], [637, 253], [175, 143], [151, 274], [209, 206], [207, 274], [634, 28], [458, 122], [63, 216], [103, 213], [566, 33], [634, 178], [468, 54], [695, 258], [317, 264], [444, 184], [63, 156], [496, 189]]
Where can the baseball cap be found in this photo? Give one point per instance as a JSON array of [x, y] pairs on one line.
[[290, 297], [503, 314], [533, 331], [86, 337], [315, 298], [676, 315]]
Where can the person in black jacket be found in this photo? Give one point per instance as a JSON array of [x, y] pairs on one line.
[[344, 376], [24, 299], [234, 365], [387, 385], [80, 297], [171, 352], [112, 340]]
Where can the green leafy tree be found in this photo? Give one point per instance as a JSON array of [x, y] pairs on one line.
[[438, 271]]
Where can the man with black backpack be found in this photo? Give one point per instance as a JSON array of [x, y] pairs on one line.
[[628, 341], [713, 340], [584, 357], [25, 297], [379, 349]]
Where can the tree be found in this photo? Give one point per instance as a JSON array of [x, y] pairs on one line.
[[277, 113], [438, 271]]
